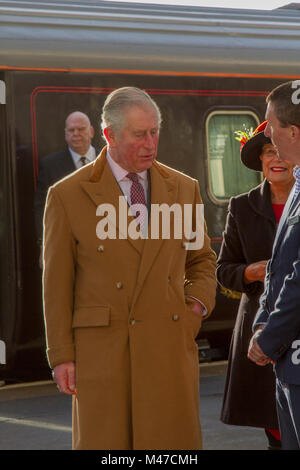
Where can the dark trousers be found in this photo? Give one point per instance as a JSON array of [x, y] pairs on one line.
[[288, 409]]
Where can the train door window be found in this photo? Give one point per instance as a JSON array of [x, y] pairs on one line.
[[7, 251], [227, 175]]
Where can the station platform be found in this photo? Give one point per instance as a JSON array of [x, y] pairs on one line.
[[35, 416]]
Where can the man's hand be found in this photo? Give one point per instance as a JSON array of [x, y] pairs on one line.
[[197, 307], [255, 353], [64, 376], [256, 271]]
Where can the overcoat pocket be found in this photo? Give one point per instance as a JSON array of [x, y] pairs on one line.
[[85, 317]]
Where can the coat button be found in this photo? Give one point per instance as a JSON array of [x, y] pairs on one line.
[[119, 285], [100, 248], [175, 317], [132, 321]]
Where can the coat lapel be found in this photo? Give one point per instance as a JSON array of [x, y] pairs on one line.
[[290, 208], [103, 188], [164, 189], [64, 163], [260, 201]]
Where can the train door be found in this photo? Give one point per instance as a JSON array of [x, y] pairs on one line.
[[8, 280], [22, 350]]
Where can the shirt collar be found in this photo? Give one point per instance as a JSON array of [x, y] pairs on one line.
[[297, 182], [119, 172], [296, 172], [90, 154]]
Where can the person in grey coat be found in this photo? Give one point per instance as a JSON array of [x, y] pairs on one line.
[[241, 266]]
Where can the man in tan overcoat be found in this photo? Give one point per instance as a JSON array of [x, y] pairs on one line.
[[122, 311]]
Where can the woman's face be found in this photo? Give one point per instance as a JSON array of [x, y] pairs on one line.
[[274, 169]]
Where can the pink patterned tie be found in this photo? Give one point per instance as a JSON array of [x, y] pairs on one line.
[[137, 195]]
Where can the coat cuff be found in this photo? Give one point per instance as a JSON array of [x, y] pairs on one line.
[[204, 309], [60, 355]]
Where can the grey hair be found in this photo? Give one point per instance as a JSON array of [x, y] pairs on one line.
[[120, 100]]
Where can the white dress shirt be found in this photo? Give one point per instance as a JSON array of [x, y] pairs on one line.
[[90, 156], [124, 182]]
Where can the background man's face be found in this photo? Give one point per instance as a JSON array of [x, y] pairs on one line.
[[78, 133], [135, 148]]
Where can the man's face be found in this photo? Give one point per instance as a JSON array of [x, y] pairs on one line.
[[135, 147], [78, 133], [282, 137]]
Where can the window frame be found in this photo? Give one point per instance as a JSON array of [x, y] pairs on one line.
[[210, 114]]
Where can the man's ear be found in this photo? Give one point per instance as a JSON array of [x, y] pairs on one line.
[[295, 133], [110, 136]]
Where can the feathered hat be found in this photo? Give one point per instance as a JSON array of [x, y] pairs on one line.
[[252, 143]]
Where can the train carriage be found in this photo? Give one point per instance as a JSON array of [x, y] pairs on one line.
[[208, 69]]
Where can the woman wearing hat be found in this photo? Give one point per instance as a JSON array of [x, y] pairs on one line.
[[249, 397]]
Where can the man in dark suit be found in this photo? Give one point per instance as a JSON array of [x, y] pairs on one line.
[[277, 323], [79, 151]]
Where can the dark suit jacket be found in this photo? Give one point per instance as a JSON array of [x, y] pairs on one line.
[[52, 168], [248, 237], [280, 303]]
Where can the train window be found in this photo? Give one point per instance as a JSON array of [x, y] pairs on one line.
[[227, 175]]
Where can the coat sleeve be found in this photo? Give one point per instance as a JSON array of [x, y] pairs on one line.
[[262, 314], [283, 323], [231, 263], [58, 281], [200, 268]]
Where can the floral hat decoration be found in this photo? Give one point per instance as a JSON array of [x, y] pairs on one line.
[[252, 143]]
